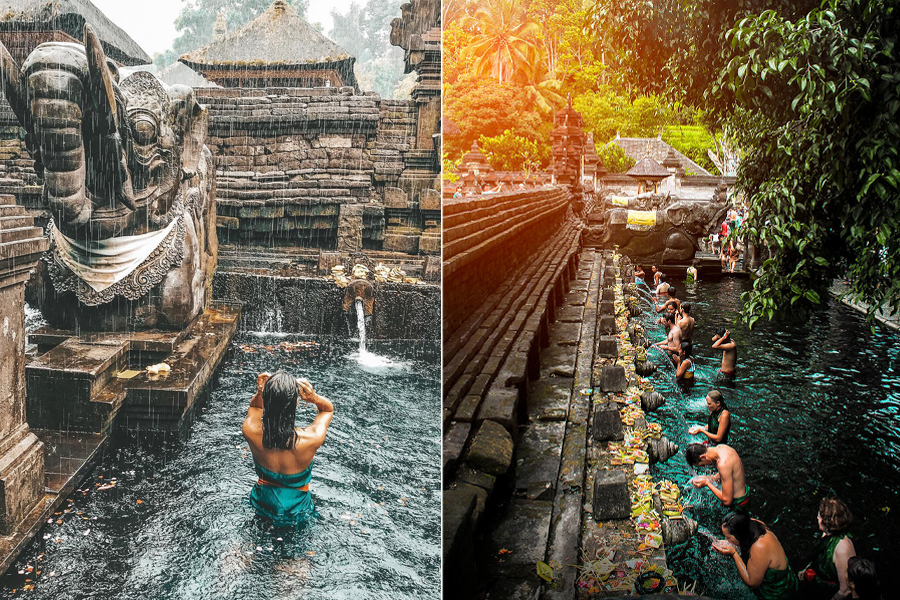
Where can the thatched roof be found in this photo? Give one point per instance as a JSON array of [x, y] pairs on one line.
[[180, 73], [637, 148], [70, 16], [278, 37], [649, 169]]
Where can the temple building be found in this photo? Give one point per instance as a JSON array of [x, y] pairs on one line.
[[278, 49], [658, 150]]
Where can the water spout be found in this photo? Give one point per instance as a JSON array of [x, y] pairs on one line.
[[361, 325]]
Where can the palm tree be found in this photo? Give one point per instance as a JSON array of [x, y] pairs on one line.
[[505, 43], [542, 89]]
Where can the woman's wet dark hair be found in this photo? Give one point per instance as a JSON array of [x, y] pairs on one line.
[[688, 348], [717, 397], [670, 317], [861, 573], [746, 530], [672, 291], [721, 331], [686, 307], [279, 411]]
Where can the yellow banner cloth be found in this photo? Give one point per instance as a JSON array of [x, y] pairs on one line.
[[642, 217]]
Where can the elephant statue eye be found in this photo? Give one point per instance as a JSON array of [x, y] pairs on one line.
[[145, 131]]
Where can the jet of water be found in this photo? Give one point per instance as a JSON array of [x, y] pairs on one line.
[[361, 325]]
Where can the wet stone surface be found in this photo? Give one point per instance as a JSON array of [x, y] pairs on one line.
[[538, 454]]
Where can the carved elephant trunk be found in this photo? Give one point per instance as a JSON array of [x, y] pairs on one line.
[[55, 100]]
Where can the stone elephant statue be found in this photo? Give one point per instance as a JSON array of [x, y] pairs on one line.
[[670, 235], [129, 184]]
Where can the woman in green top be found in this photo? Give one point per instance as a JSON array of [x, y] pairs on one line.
[[826, 575], [719, 423], [761, 562]]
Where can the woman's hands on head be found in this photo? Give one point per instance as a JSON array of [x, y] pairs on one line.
[[307, 393], [261, 380]]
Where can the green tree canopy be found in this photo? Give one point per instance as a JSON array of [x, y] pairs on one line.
[[483, 107], [511, 152], [818, 119]]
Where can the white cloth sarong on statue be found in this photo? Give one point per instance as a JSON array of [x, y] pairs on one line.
[[103, 263]]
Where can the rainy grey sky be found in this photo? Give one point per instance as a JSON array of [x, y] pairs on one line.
[[152, 23]]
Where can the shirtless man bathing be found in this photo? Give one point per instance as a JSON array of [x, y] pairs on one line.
[[734, 492]]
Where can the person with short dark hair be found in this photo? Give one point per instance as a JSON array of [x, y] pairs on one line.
[[863, 579], [722, 341], [663, 286], [672, 343], [671, 301], [719, 423], [759, 557], [282, 453], [826, 575], [685, 371], [734, 493], [639, 274], [656, 275]]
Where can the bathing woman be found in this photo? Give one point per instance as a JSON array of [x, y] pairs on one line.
[[826, 575], [719, 423], [282, 453], [761, 561]]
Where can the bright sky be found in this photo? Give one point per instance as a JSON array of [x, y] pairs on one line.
[[152, 23]]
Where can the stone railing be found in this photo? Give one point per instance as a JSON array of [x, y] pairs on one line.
[[508, 260]]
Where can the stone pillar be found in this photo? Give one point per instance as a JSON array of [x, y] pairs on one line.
[[21, 452]]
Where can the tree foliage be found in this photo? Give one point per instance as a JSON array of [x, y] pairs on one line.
[[483, 107], [818, 119], [511, 152], [364, 31], [614, 158], [694, 141], [504, 42]]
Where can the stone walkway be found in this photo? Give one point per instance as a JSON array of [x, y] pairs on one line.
[[839, 289], [548, 524]]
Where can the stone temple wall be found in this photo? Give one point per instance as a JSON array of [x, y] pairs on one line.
[[307, 168], [321, 168]]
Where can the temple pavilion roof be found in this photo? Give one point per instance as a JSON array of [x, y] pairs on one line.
[[647, 168], [277, 40], [69, 17]]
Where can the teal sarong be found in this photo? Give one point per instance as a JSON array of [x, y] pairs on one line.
[[777, 585], [279, 500]]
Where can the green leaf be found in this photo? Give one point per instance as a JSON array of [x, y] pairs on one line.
[[545, 571], [821, 261], [812, 296], [872, 178]]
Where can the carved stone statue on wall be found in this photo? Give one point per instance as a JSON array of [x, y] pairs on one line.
[[129, 183]]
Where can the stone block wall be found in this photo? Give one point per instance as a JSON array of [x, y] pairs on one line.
[[489, 237], [311, 168], [297, 167], [314, 306]]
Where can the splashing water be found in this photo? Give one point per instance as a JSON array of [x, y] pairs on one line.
[[368, 360]]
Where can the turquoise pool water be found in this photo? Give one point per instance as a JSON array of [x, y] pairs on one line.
[[816, 411], [177, 523]]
